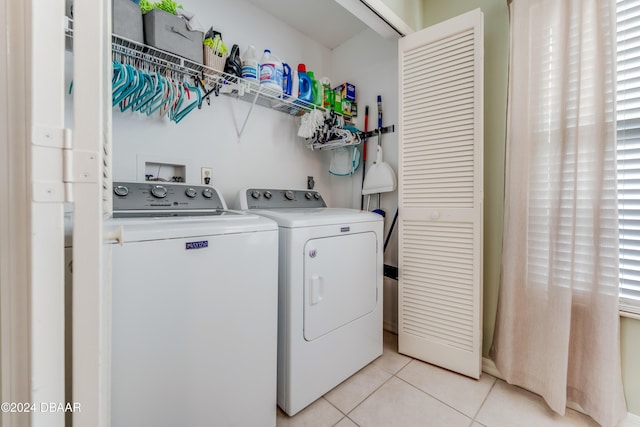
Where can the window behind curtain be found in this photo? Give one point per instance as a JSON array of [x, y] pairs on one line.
[[628, 148]]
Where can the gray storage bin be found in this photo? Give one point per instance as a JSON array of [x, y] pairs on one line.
[[127, 20], [169, 32]]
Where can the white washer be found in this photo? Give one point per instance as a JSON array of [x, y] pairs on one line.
[[194, 310], [330, 291]]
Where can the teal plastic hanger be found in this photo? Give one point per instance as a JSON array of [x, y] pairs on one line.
[[156, 91], [130, 86], [190, 107], [159, 99], [119, 81], [175, 107], [169, 99], [146, 91], [135, 90]]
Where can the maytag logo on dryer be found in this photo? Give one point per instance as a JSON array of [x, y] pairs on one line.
[[197, 245]]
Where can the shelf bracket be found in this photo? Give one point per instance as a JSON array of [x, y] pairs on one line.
[[255, 98]]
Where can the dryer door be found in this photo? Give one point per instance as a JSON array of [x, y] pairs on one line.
[[339, 281]]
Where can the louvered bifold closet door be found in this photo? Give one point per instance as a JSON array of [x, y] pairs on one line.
[[440, 194]]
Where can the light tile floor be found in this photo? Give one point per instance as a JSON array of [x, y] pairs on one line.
[[396, 390]]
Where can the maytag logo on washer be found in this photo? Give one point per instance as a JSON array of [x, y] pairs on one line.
[[197, 245], [313, 253]]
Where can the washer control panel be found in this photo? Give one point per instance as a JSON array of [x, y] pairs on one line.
[[164, 198], [266, 198]]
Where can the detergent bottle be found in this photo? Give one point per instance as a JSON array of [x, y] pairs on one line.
[[287, 80], [271, 72], [250, 65], [304, 84], [316, 89]]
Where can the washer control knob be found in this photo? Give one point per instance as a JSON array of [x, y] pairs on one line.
[[121, 190], [316, 196], [255, 194], [191, 192], [159, 191], [207, 193], [308, 195], [267, 195], [289, 195]]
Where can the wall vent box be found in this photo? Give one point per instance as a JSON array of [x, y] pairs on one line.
[[127, 20], [169, 32]]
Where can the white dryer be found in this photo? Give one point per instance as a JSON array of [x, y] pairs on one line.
[[330, 291], [194, 310]]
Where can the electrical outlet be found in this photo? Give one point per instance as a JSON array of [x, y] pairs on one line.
[[206, 174]]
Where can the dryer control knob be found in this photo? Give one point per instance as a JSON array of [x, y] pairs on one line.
[[308, 196], [267, 195], [207, 193], [191, 192], [121, 190], [289, 195], [255, 194], [316, 196], [159, 191]]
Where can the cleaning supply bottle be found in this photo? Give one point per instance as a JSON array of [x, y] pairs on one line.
[[316, 91], [250, 65], [271, 72], [287, 78], [295, 83], [327, 102], [304, 84]]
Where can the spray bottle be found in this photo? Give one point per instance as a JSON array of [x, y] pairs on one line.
[[326, 93]]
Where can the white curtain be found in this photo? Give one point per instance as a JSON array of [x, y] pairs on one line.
[[557, 330]]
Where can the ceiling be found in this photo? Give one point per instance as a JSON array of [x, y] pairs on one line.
[[324, 21]]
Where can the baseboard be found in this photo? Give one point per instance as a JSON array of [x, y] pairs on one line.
[[390, 326], [489, 367], [632, 420]]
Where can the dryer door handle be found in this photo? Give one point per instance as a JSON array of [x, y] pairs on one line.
[[316, 290]]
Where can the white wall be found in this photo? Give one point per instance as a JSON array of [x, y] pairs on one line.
[[371, 63], [269, 153], [410, 11]]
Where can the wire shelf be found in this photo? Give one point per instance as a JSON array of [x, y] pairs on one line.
[[335, 143], [214, 80]]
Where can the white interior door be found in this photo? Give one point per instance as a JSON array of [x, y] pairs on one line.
[[36, 165], [47, 136], [441, 194], [89, 176]]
